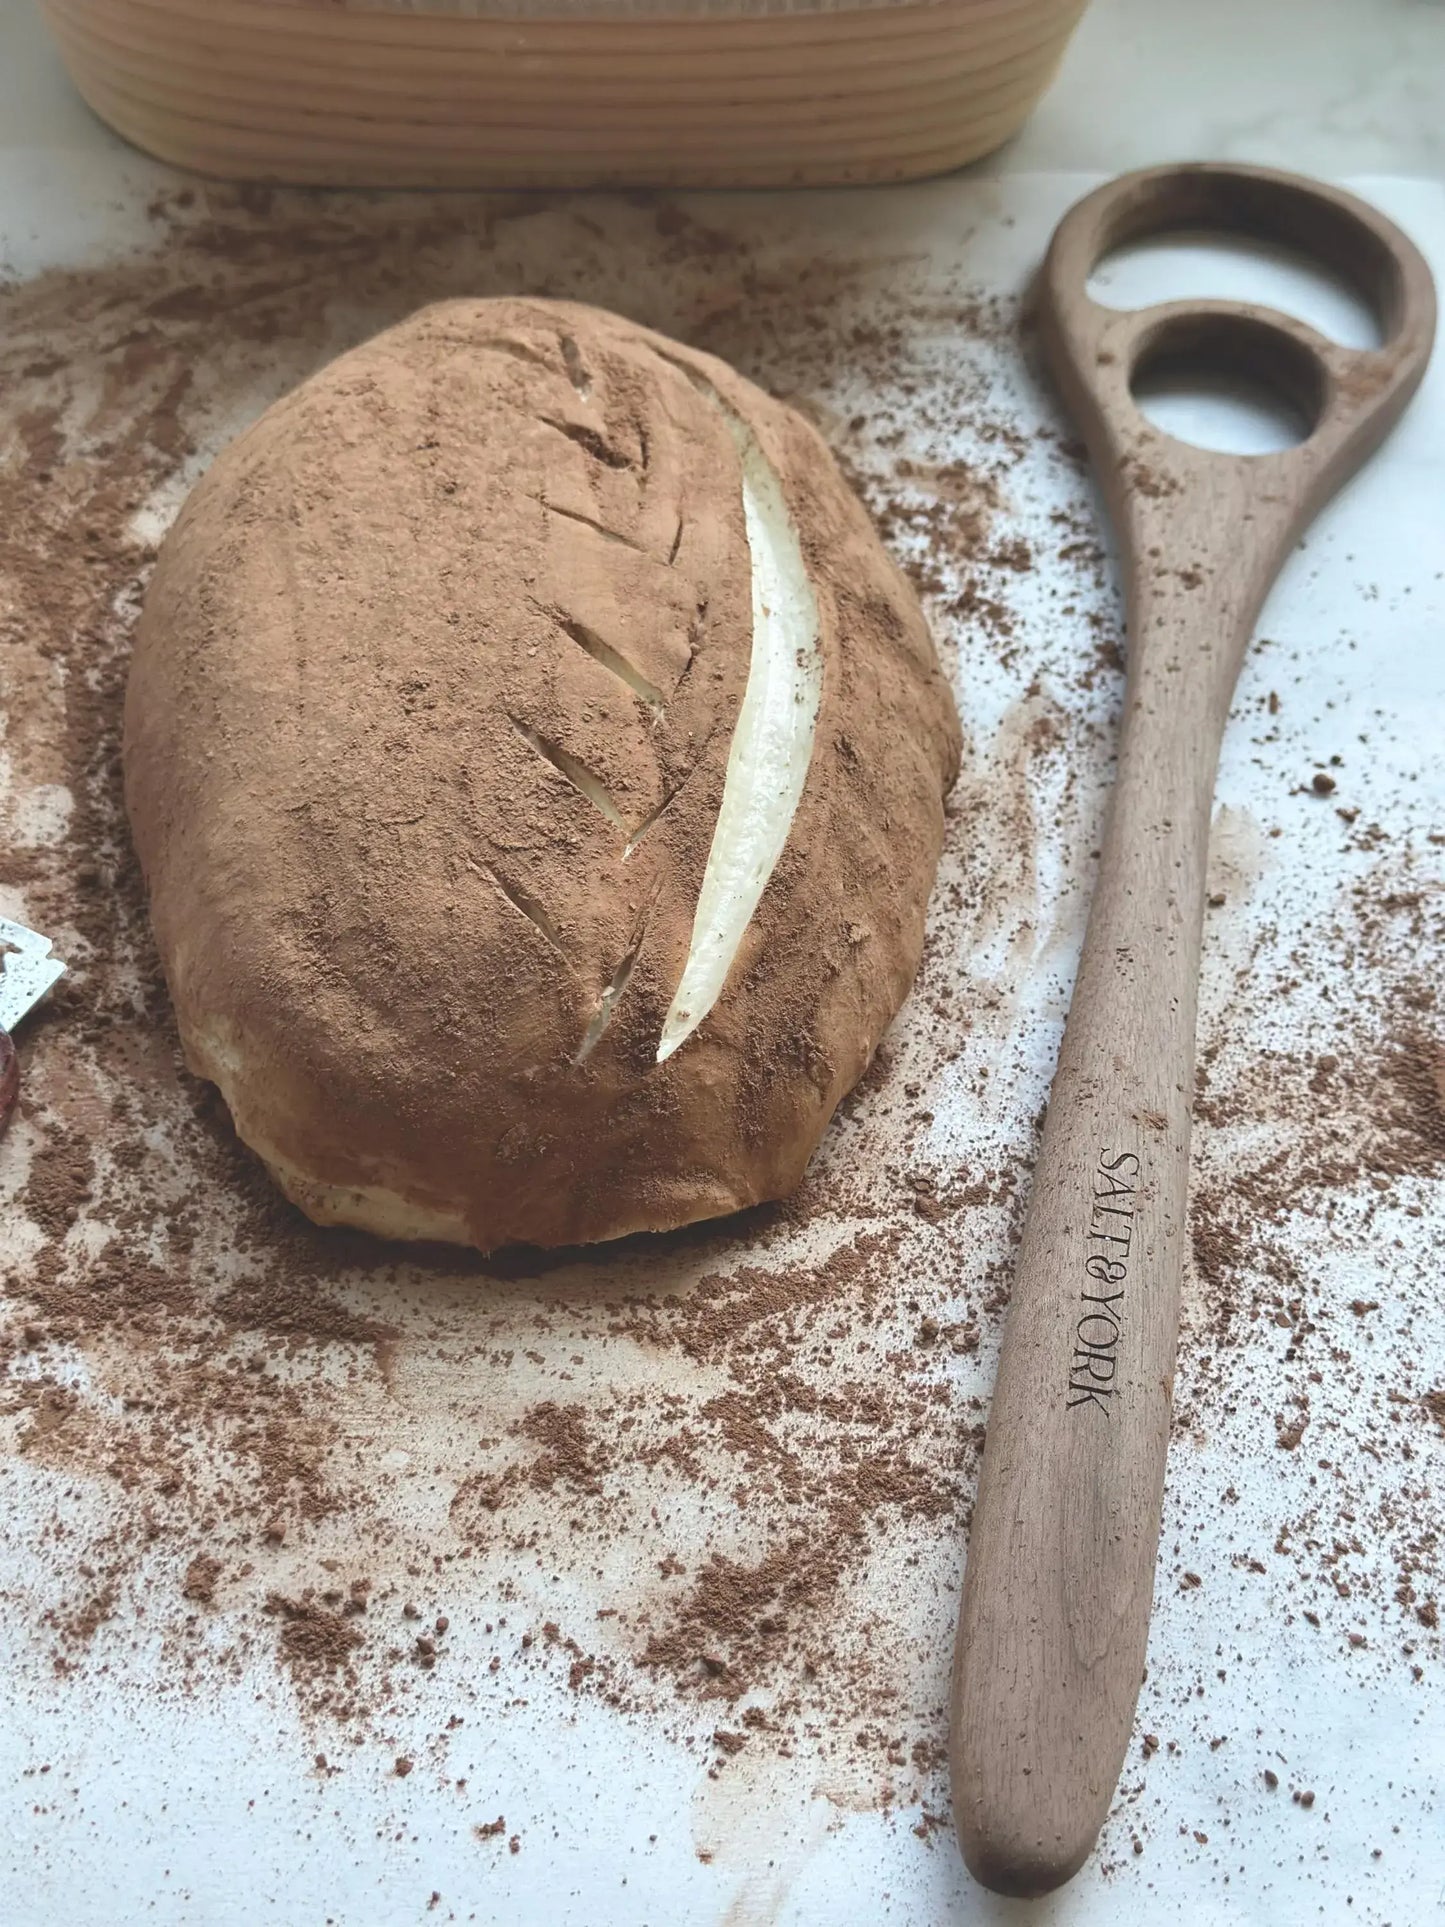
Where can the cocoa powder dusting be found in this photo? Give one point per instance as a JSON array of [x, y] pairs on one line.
[[717, 1482], [391, 946]]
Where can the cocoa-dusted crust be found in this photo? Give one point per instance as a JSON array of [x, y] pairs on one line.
[[385, 918]]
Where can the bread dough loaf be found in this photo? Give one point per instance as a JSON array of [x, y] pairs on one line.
[[427, 737]]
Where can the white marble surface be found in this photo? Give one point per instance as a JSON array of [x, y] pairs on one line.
[[1322, 86]]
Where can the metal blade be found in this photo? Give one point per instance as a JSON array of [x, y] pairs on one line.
[[27, 970]]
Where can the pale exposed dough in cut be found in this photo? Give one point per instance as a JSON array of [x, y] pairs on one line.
[[520, 682], [771, 748]]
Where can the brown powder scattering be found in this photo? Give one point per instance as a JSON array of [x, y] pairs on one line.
[[569, 1452], [1289, 1432], [312, 1637], [1413, 1115], [60, 1182], [490, 1829], [738, 1619], [201, 1576], [77, 1628]]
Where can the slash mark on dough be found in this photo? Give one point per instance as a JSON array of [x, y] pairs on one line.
[[527, 906], [576, 367], [607, 1003], [571, 771], [612, 660], [588, 440], [591, 522]]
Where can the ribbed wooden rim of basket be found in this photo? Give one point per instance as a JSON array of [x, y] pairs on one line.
[[611, 10], [842, 134], [876, 94], [414, 41], [900, 80]]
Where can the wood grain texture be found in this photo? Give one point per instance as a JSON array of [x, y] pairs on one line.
[[1065, 1531], [537, 95]]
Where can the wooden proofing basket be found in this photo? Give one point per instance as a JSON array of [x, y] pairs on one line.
[[468, 93]]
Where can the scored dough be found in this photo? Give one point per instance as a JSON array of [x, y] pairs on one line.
[[427, 735]]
